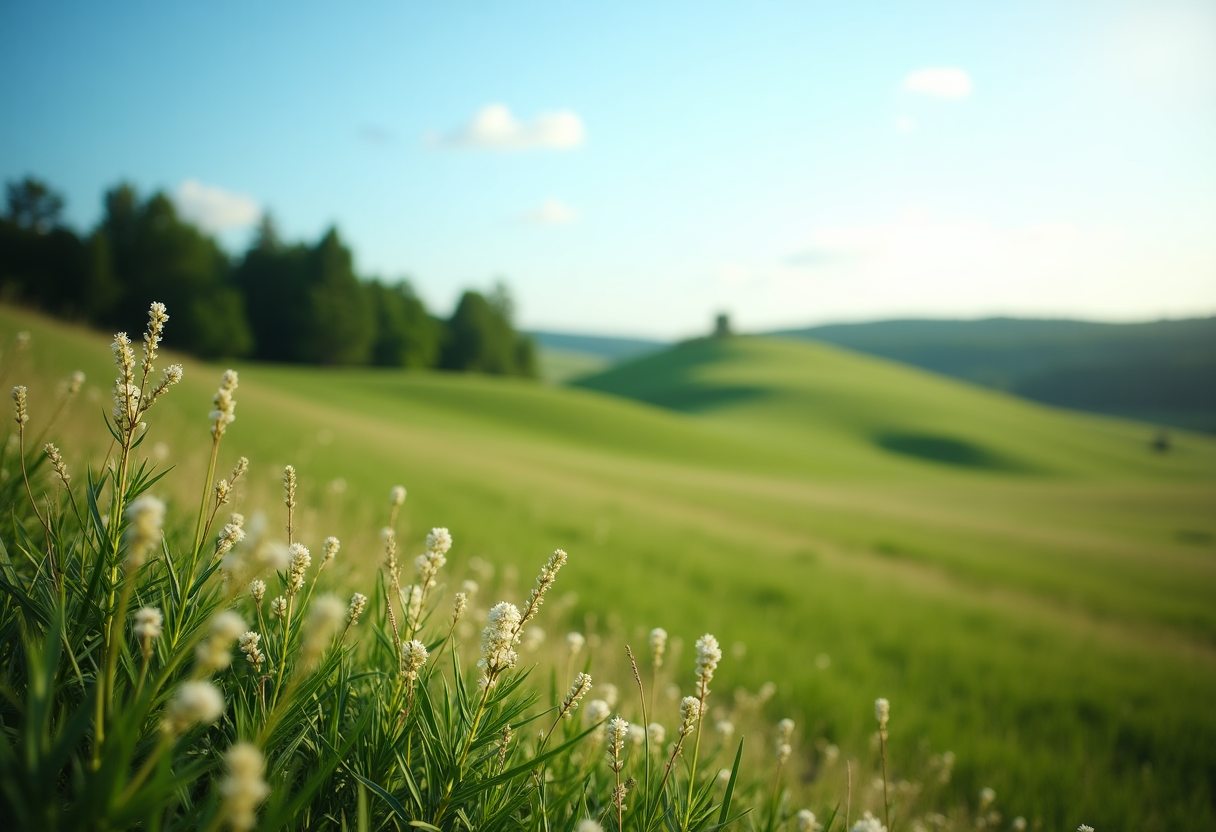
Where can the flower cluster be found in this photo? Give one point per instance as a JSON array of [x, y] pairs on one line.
[[223, 411], [708, 656], [498, 641]]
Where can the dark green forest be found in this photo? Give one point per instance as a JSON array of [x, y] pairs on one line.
[[279, 301]]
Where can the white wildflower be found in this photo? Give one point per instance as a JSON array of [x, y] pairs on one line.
[[616, 732], [232, 534], [329, 549], [597, 711], [805, 820], [690, 712], [249, 646], [146, 516], [298, 562], [882, 712], [397, 495], [324, 617], [213, 653], [19, 402], [358, 602], [439, 541], [657, 733], [244, 789], [498, 640], [575, 642], [194, 703], [708, 656], [278, 607], [223, 412], [257, 590], [868, 823], [582, 684], [413, 657], [658, 645]]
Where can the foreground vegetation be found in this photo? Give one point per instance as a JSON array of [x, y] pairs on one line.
[[1013, 616]]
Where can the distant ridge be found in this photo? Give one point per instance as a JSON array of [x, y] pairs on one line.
[[1163, 371], [613, 349]]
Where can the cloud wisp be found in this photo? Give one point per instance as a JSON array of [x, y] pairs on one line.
[[939, 82], [552, 212], [214, 209], [495, 127]]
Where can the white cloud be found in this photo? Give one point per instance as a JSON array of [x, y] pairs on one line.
[[495, 127], [552, 212], [939, 82], [214, 209], [917, 245]]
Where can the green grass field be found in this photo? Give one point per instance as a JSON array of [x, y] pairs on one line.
[[1031, 588]]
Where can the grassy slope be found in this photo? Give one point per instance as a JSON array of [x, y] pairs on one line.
[[1043, 610]]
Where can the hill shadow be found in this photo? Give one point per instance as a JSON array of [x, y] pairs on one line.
[[948, 450], [669, 379], [696, 397]]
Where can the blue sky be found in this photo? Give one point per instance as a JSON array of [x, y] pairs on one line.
[[633, 168]]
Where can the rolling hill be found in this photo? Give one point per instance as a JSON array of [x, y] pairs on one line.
[[1030, 587], [1163, 371]]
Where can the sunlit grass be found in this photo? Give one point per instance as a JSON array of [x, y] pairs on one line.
[[1051, 630]]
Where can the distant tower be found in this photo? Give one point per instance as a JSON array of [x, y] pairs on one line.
[[722, 326]]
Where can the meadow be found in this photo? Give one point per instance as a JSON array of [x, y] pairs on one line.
[[1030, 588]]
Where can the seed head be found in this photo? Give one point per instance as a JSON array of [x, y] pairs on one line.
[[616, 731], [170, 376], [20, 416], [61, 470], [223, 411], [582, 684], [278, 607], [397, 495], [575, 642], [152, 336], [657, 733], [1085, 828], [458, 606], [75, 382], [289, 486], [548, 574], [257, 589], [690, 712], [244, 789]]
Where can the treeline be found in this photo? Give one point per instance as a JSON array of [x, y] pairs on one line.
[[290, 302]]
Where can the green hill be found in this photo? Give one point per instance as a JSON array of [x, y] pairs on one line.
[[856, 415], [1031, 588]]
